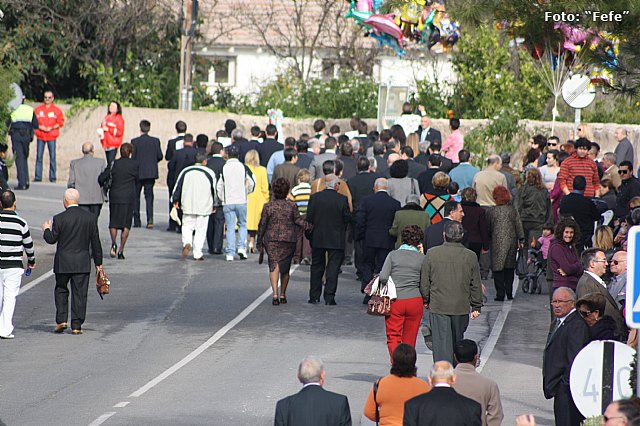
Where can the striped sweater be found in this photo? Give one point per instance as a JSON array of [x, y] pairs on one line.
[[300, 195], [576, 166], [14, 239]]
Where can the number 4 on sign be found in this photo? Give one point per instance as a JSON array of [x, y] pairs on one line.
[[594, 389]]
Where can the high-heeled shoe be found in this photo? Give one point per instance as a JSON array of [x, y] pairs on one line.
[[276, 302], [251, 247], [283, 300], [114, 247], [120, 255]]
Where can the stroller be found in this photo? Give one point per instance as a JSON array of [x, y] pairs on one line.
[[537, 268]]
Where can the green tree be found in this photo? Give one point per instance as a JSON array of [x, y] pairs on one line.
[[8, 75]]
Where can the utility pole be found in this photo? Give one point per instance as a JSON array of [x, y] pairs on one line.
[[187, 22]]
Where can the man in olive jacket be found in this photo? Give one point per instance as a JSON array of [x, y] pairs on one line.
[[453, 290], [410, 214]]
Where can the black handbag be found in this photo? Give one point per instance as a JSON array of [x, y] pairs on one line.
[[522, 268]]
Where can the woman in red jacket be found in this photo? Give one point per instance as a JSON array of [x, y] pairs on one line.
[[112, 131]]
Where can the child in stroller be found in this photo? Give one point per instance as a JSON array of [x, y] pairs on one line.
[[537, 258]]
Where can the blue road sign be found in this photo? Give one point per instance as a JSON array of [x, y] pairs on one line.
[[632, 300]]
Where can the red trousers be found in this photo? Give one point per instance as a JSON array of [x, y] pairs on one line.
[[404, 322]]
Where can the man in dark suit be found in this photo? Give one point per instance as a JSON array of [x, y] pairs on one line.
[[349, 163], [305, 155], [381, 161], [436, 149], [328, 212], [373, 222], [243, 145], [360, 186], [74, 230], [569, 335], [426, 133], [629, 188], [434, 235], [313, 406], [147, 151], [270, 145], [425, 179], [215, 230], [442, 405], [415, 168], [582, 209], [595, 262], [176, 143]]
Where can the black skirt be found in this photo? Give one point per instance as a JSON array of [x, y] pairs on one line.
[[280, 254], [120, 216]]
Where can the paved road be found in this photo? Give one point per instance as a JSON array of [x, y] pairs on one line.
[[179, 342]]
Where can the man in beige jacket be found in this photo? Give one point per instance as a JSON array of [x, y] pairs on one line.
[[485, 181], [471, 384]]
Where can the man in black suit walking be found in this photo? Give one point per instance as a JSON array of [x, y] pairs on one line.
[[360, 186], [270, 145], [175, 144], [215, 230], [328, 212], [567, 338], [74, 230], [375, 217], [442, 405], [313, 406], [147, 151]]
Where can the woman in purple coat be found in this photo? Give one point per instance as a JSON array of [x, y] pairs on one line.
[[563, 258]]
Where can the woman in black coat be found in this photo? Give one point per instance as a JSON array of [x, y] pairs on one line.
[[122, 192], [591, 307]]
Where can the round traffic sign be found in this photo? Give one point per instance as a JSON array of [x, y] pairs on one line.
[[600, 374], [578, 92]]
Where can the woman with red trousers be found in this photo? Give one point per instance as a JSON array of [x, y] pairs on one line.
[[403, 266], [112, 131]]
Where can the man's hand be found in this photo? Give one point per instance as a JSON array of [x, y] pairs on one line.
[[561, 272], [474, 314], [99, 268], [31, 266], [526, 420], [47, 225], [426, 306]]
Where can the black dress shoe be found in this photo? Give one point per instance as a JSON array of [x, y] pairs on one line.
[[330, 302], [37, 180], [314, 301], [137, 225], [120, 255]]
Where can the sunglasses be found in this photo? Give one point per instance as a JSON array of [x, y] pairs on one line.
[[552, 144], [623, 172], [48, 97], [600, 260], [585, 314], [615, 262]]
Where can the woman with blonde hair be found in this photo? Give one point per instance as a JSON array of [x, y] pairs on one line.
[[413, 141], [258, 198]]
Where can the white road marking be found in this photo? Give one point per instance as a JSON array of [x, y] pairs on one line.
[[37, 281], [103, 418], [121, 404]]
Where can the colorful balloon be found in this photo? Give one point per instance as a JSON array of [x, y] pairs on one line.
[[354, 13], [364, 6], [385, 24], [386, 39]]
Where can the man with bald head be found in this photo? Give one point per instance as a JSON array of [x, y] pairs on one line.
[[74, 230], [83, 176], [328, 212], [624, 149], [373, 221], [485, 181], [442, 405]]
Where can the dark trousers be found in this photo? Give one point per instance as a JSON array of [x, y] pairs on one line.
[[111, 156], [79, 287], [447, 330], [531, 230], [20, 148], [147, 184], [92, 208], [373, 260], [173, 225], [503, 281], [333, 261], [564, 409], [348, 242], [358, 257], [215, 230]]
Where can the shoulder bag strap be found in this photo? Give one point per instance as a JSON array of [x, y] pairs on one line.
[[375, 394]]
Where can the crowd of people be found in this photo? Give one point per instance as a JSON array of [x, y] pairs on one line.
[[400, 203]]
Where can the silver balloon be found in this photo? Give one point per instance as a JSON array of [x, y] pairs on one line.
[[17, 99]]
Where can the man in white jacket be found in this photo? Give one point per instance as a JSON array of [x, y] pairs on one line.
[[195, 193], [235, 183]]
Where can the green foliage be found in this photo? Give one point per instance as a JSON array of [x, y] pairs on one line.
[[593, 421], [491, 77], [78, 104], [336, 98], [633, 376], [8, 75], [503, 133]]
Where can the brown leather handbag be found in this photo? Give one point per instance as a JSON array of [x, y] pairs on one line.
[[380, 303], [102, 283]]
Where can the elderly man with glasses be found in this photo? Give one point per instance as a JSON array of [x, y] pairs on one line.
[[629, 188], [618, 285], [568, 336], [595, 263]]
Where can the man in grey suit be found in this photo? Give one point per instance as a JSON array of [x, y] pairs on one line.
[[471, 384], [624, 149], [83, 176], [618, 285], [313, 406], [315, 169], [595, 262]]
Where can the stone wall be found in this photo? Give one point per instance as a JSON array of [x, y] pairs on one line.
[[82, 128]]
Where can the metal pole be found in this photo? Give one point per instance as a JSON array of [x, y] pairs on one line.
[[576, 123]]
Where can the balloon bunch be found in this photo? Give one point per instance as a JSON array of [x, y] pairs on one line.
[[419, 21]]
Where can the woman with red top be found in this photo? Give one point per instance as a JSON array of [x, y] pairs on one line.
[[112, 131]]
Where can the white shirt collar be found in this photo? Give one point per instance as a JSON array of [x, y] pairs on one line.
[[311, 384], [597, 278], [565, 317], [442, 385]]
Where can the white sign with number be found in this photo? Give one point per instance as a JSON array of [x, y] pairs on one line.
[[599, 375]]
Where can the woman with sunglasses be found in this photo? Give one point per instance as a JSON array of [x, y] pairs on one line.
[[550, 170], [591, 307]]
